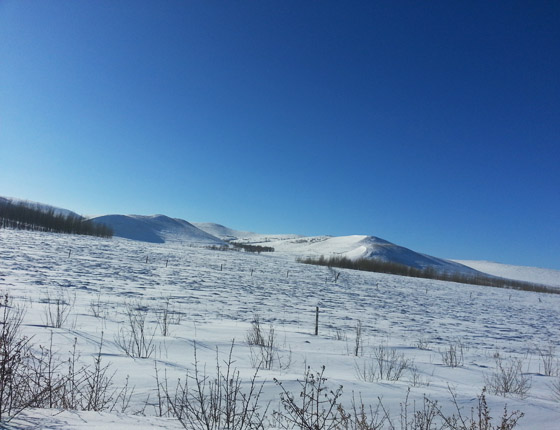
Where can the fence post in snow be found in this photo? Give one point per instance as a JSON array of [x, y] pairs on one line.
[[69, 252], [146, 259], [316, 320]]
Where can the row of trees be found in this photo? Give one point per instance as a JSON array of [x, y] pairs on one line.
[[370, 265], [252, 248], [24, 217]]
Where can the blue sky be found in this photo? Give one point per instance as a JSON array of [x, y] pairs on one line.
[[435, 125]]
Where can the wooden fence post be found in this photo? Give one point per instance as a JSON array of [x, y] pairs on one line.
[[316, 320]]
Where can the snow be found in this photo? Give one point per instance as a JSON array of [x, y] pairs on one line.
[[536, 275], [361, 246], [219, 292], [156, 229], [227, 233]]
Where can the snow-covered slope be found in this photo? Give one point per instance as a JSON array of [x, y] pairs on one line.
[[520, 273], [353, 247], [227, 233], [221, 231], [156, 229], [371, 247]]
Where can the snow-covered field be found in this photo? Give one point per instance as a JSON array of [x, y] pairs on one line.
[[218, 293]]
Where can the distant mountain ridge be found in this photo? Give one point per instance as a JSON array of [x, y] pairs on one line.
[[161, 229], [164, 229]]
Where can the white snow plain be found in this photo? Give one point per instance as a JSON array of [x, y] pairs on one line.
[[217, 293]]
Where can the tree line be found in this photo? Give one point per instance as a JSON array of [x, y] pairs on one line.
[[23, 217], [252, 248], [371, 265]]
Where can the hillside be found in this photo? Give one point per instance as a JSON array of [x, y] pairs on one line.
[[156, 229], [361, 246], [226, 233], [537, 275]]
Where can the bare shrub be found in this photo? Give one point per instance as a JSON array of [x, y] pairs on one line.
[[166, 316], [204, 402], [44, 380], [14, 352], [555, 388], [58, 309], [134, 337], [508, 378], [255, 334], [429, 416], [423, 343], [122, 399], [265, 355], [386, 363], [425, 417], [549, 362], [480, 418], [96, 391], [97, 307], [263, 344], [316, 406], [416, 378], [453, 356], [361, 417], [358, 344], [84, 388], [339, 334], [35, 377]]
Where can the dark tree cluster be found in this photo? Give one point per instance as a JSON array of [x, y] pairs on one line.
[[370, 265], [23, 217], [252, 248]]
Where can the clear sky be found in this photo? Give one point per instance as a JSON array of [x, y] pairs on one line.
[[434, 125]]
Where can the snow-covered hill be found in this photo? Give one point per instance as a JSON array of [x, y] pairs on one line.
[[353, 247], [223, 232], [156, 229], [370, 247], [227, 233], [520, 273]]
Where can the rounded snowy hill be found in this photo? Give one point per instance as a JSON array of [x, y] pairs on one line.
[[156, 229], [361, 246]]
